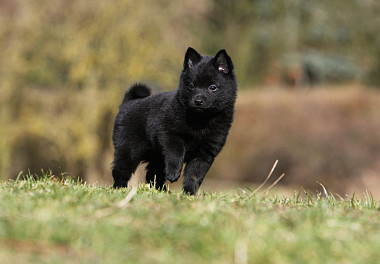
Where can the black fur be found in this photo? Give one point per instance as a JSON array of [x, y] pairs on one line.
[[188, 125], [137, 91]]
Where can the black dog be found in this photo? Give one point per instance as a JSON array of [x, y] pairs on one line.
[[189, 125]]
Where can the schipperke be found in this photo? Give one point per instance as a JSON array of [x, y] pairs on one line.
[[189, 125]]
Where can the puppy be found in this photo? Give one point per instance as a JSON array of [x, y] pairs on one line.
[[186, 126]]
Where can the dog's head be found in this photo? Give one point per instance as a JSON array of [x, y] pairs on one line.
[[207, 83]]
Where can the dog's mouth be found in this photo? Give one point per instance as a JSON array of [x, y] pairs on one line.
[[198, 108]]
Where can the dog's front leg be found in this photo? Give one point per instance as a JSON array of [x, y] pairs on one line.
[[195, 172], [197, 168], [173, 149]]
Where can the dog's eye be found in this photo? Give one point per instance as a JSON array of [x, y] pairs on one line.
[[213, 88], [191, 86]]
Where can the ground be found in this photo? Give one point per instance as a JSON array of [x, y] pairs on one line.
[[51, 220]]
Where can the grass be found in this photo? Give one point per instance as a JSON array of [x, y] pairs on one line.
[[65, 221]]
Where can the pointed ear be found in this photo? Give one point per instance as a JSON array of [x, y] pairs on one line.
[[223, 62], [192, 57]]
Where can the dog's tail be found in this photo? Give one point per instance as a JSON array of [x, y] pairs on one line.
[[136, 91]]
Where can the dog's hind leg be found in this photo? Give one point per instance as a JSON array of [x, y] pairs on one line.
[[123, 168], [155, 173]]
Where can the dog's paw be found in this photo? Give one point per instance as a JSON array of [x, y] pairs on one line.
[[190, 188], [173, 171], [120, 184], [173, 177]]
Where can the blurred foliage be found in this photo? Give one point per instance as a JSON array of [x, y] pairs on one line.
[[260, 32], [64, 68], [64, 65], [313, 68]]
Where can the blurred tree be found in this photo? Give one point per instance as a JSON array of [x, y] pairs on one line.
[[260, 32], [65, 64]]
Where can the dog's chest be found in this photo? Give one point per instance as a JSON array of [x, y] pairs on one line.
[[195, 140]]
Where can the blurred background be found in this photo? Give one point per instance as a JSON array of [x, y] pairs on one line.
[[308, 73]]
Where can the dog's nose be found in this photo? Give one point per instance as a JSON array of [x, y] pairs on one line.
[[198, 101]]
